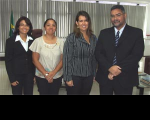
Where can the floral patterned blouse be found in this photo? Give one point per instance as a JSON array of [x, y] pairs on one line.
[[50, 55]]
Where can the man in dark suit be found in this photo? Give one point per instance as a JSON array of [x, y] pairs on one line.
[[118, 52]]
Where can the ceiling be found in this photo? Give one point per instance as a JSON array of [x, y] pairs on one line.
[[133, 1]]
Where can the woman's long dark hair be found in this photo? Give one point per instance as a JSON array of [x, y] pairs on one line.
[[77, 30], [28, 22]]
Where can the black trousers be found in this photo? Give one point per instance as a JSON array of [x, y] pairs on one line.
[[114, 87], [82, 86], [46, 88], [25, 86]]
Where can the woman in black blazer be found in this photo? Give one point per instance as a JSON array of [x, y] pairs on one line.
[[18, 58]]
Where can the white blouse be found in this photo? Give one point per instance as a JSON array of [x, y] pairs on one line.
[[24, 44], [50, 55]]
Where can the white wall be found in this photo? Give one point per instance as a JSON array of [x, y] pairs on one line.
[[147, 48], [147, 22]]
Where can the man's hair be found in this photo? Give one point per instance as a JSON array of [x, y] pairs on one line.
[[118, 7]]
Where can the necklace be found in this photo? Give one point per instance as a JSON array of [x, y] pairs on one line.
[[50, 46]]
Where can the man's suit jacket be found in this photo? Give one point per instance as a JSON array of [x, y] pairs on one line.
[[129, 52], [17, 60]]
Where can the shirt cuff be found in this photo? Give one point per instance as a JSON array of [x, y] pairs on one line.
[[67, 78]]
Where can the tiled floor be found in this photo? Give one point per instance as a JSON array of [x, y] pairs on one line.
[[5, 88]]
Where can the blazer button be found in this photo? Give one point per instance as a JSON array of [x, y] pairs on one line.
[[26, 59]]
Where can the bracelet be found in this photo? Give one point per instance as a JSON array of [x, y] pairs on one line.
[[46, 74]]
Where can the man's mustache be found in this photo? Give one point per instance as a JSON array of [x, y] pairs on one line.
[[116, 21]]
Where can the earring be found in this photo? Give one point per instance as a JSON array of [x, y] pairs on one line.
[[78, 27]]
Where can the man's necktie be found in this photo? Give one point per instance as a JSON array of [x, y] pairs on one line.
[[116, 44]]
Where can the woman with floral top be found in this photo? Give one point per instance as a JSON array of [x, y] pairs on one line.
[[47, 57]]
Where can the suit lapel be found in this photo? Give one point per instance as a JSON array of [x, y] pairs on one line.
[[112, 37], [29, 43], [21, 48], [111, 42], [124, 35]]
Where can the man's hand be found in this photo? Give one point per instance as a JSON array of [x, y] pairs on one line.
[[110, 76], [15, 83], [115, 70]]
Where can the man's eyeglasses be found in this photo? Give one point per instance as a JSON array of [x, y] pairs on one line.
[[117, 15]]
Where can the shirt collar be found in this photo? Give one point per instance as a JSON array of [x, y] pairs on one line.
[[18, 38], [121, 30], [83, 39]]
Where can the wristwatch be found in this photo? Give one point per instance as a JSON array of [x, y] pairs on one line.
[[46, 74]]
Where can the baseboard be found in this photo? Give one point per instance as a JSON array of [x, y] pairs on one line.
[[2, 58]]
